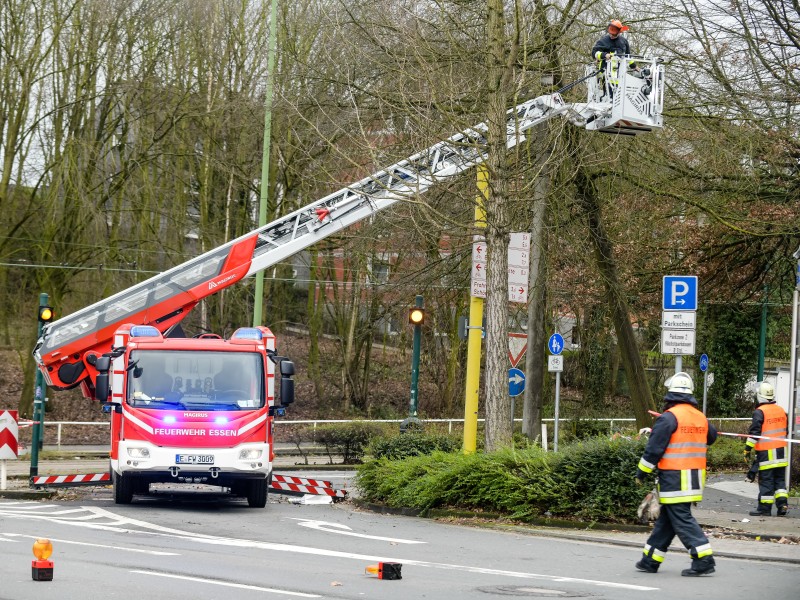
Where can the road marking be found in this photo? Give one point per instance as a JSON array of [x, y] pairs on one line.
[[345, 530], [240, 586], [139, 550], [277, 547], [2, 539]]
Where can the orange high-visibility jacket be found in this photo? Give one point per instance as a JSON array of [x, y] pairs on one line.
[[687, 446], [774, 426]]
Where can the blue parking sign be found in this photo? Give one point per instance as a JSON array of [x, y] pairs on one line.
[[704, 363], [680, 292]]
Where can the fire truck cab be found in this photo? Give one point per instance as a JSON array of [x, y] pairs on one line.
[[192, 410]]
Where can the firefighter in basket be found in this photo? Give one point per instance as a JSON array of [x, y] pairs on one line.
[[677, 448]]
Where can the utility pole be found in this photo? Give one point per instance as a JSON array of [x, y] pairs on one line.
[[475, 332], [258, 298]]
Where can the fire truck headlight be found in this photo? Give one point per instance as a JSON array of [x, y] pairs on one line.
[[138, 452], [250, 454]]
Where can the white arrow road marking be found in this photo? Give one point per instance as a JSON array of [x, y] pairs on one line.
[[345, 530], [125, 548], [240, 586]]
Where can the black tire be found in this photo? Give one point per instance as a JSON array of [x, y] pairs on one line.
[[257, 490], [123, 489]]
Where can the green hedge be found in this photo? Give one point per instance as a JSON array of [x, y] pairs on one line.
[[415, 443], [592, 479], [348, 440]]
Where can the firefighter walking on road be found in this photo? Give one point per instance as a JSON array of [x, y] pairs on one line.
[[770, 421], [677, 448]]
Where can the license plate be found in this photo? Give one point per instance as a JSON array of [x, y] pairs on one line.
[[194, 459]]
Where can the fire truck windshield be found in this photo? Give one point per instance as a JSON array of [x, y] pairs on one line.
[[195, 380]]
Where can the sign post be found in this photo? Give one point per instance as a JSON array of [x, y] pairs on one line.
[[704, 369], [556, 346]]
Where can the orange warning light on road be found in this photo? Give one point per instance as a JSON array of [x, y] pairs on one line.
[[42, 568]]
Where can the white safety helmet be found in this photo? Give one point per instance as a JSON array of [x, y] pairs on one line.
[[681, 383], [765, 393]]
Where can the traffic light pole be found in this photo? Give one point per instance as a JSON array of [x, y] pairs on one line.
[[412, 407], [38, 402]]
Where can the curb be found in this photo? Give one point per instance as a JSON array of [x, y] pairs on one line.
[[28, 494]]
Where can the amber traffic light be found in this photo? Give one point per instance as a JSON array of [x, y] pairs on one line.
[[416, 316], [46, 314]]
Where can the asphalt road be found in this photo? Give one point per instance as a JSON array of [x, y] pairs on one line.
[[198, 546]]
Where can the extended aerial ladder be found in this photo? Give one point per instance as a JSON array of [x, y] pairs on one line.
[[68, 348]]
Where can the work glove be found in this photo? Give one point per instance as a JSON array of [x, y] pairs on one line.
[[746, 454], [750, 476]]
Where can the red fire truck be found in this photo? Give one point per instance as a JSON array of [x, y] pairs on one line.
[[194, 430], [192, 409]]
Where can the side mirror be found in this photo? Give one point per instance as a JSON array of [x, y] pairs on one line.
[[101, 386], [287, 391], [287, 368]]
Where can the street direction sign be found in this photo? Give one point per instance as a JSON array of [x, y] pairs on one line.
[[704, 362], [555, 364], [680, 292], [677, 341], [478, 280], [519, 249], [556, 343], [674, 319], [517, 345], [516, 382]]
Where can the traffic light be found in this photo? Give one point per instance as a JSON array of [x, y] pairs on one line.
[[416, 316], [46, 314]]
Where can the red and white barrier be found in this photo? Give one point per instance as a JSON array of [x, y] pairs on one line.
[[284, 483], [71, 480], [306, 486], [9, 444]]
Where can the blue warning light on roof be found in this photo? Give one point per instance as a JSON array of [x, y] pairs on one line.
[[144, 331], [247, 333]]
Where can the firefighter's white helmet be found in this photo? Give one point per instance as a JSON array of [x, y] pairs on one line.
[[681, 383], [765, 392]]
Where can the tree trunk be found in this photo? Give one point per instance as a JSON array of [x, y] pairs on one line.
[[537, 303], [498, 430], [641, 396]]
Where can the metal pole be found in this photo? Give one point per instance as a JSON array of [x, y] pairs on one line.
[[412, 408], [793, 375], [705, 389], [38, 402], [258, 298], [474, 333], [555, 427], [678, 363]]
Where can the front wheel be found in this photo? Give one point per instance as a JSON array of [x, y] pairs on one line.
[[123, 489], [257, 493]]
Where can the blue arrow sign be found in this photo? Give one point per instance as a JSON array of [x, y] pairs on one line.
[[704, 363], [516, 382], [680, 292], [556, 343]]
